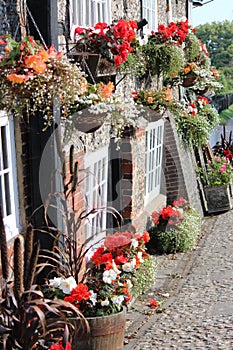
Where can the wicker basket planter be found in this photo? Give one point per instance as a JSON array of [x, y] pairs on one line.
[[106, 332]]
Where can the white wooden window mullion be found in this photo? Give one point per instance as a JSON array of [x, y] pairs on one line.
[[96, 165], [153, 154], [8, 185], [89, 12]]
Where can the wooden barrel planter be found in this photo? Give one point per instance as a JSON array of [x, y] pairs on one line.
[[189, 80], [106, 332]]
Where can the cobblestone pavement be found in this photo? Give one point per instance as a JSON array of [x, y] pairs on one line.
[[198, 313]]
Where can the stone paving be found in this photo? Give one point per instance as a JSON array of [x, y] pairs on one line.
[[197, 293]]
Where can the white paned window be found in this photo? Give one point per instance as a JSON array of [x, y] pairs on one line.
[[149, 12], [90, 12], [96, 165], [8, 187], [154, 153]]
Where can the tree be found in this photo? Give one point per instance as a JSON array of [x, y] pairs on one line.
[[218, 37]]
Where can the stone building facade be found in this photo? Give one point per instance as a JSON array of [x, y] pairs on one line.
[[126, 178]]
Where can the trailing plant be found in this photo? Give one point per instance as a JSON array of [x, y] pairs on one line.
[[164, 59], [145, 277], [192, 46], [196, 122]]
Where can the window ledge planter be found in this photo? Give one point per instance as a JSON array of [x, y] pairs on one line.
[[218, 198]]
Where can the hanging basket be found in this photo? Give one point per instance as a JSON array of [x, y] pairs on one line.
[[88, 122], [189, 80], [106, 332], [202, 92], [88, 61]]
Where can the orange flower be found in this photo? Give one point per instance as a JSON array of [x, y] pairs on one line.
[[7, 49], [36, 63], [16, 78], [106, 90], [150, 99], [44, 55], [168, 95]]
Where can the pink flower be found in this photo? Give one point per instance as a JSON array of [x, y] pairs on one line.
[[223, 168]]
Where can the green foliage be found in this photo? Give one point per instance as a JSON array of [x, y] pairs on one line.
[[218, 38], [145, 276], [226, 79], [192, 47], [195, 129], [226, 115], [163, 59], [179, 239]]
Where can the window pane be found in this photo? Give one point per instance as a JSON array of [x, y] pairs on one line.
[[4, 147], [7, 194]]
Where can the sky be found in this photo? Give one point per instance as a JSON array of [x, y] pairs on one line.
[[216, 10]]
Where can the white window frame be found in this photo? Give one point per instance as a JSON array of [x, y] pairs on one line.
[[96, 168], [153, 158], [90, 12], [150, 13], [8, 191]]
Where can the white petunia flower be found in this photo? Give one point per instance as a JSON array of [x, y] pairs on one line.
[[93, 297], [56, 282], [105, 302], [109, 276], [134, 243], [129, 284], [128, 267], [118, 300], [68, 284], [114, 267], [139, 255]]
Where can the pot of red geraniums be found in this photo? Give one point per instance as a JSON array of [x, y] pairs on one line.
[[174, 228], [112, 42], [104, 289]]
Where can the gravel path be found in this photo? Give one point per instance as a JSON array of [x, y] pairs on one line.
[[199, 312]]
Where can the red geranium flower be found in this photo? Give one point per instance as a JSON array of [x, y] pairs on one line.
[[153, 303]]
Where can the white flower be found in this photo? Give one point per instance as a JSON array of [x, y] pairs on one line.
[[129, 284], [105, 302], [68, 284], [109, 276], [93, 297], [118, 300], [56, 282], [114, 267], [139, 255], [134, 262], [134, 243], [128, 267]]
